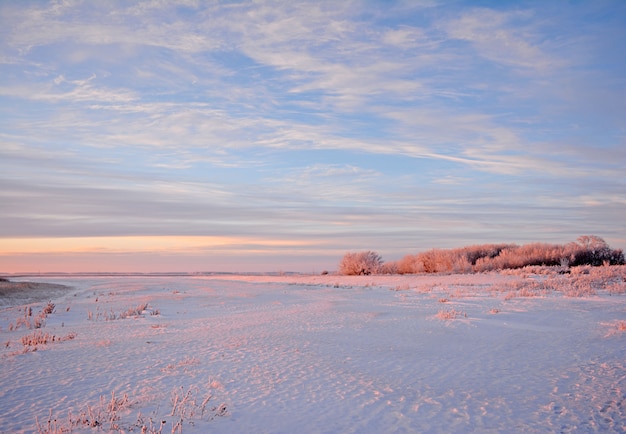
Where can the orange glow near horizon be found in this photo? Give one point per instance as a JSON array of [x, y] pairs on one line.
[[128, 244]]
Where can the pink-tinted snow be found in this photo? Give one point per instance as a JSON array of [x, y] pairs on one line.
[[319, 354]]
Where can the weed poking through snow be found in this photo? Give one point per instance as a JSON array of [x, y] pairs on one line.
[[30, 322], [109, 415], [186, 406], [32, 342]]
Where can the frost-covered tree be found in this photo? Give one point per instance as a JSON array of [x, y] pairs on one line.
[[592, 242], [595, 251], [360, 263]]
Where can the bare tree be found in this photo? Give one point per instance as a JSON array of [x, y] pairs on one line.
[[595, 251]]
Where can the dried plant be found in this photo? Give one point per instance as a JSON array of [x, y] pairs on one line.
[[49, 308], [186, 406], [38, 337], [30, 322], [131, 312], [103, 417], [111, 415]]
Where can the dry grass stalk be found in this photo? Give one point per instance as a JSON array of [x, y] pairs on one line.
[[30, 322], [103, 417], [38, 337], [131, 312]]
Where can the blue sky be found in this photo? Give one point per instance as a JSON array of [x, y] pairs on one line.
[[269, 136]]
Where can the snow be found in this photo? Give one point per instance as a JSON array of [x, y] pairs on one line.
[[314, 354]]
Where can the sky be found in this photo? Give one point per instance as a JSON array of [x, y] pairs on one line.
[[278, 135]]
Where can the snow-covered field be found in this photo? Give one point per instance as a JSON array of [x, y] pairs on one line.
[[484, 353]]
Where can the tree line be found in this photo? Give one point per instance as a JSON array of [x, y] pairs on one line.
[[586, 250]]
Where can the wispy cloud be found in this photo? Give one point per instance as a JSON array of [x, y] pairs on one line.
[[73, 91], [510, 38]]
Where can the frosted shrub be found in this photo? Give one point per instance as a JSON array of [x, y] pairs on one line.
[[134, 311], [522, 288], [578, 288], [389, 268], [617, 288], [410, 264], [360, 263], [587, 280], [450, 314], [461, 260]]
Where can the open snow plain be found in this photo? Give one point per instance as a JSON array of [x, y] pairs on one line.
[[487, 353]]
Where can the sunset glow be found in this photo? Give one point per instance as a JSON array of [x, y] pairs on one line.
[[137, 244]]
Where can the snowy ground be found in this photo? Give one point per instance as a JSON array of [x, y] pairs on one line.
[[486, 353]]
